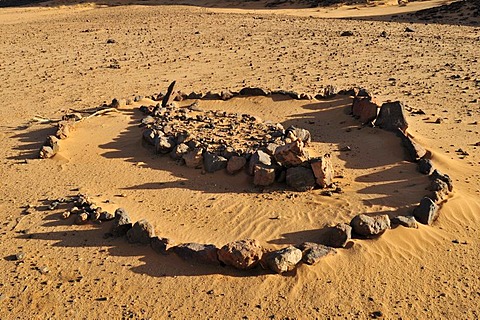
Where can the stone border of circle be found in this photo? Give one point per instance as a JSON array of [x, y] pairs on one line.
[[248, 253]]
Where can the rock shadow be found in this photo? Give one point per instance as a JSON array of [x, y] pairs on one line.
[[30, 141], [153, 264]]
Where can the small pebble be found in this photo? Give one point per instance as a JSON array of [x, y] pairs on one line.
[[43, 269], [20, 256]]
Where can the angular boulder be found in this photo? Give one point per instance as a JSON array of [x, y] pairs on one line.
[[425, 166], [369, 227], [313, 252], [194, 158], [169, 97], [284, 260], [196, 252], [338, 236], [141, 232], [242, 254], [64, 129], [263, 175], [405, 221], [179, 151], [300, 178], [258, 157], [392, 117], [121, 223], [437, 175], [148, 136], [291, 154], [365, 109], [46, 152], [236, 164], [163, 144], [426, 212], [160, 245], [413, 150], [323, 170], [213, 162]]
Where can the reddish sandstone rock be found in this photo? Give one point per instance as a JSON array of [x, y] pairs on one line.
[[263, 175], [242, 254], [365, 108], [323, 170], [291, 154], [235, 164]]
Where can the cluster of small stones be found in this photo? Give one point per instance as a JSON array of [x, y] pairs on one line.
[[216, 140], [64, 130], [289, 153], [84, 210]]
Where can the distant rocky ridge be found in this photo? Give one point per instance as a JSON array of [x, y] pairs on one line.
[[17, 3], [461, 10]]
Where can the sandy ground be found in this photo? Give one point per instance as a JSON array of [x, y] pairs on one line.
[[53, 59]]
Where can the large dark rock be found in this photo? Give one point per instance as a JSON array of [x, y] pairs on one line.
[[290, 94], [425, 166], [196, 252], [426, 212], [367, 226], [242, 254], [413, 150], [284, 260], [313, 252], [437, 175], [164, 144], [338, 236], [160, 245], [168, 98], [236, 164], [323, 170], [141, 232], [258, 157], [149, 136], [300, 178], [213, 162], [121, 223], [392, 117], [251, 91]]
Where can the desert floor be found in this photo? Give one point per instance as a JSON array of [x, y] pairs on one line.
[[56, 58]]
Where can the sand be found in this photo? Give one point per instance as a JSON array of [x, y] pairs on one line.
[[56, 58]]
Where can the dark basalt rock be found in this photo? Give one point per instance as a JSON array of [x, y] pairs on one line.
[[392, 117], [426, 212], [196, 252]]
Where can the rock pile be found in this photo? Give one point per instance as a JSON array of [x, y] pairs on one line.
[[85, 210], [216, 140]]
